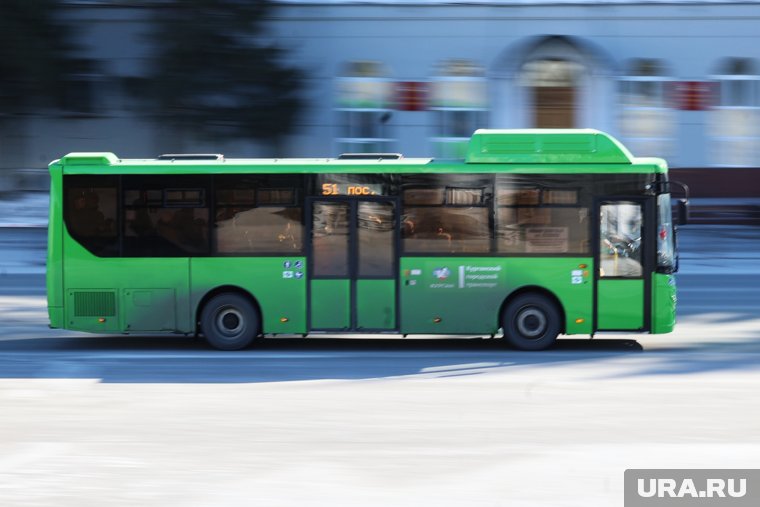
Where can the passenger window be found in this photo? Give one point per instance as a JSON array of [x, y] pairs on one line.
[[447, 213], [540, 217], [446, 229], [192, 197], [165, 217], [273, 196], [255, 215], [462, 196], [269, 229], [542, 230], [90, 213], [424, 196]]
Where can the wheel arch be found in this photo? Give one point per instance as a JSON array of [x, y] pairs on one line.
[[534, 289], [234, 289]]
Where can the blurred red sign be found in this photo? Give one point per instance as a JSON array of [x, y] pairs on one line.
[[411, 96], [694, 95]]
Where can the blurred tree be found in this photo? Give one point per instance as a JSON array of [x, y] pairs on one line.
[[213, 72], [34, 55]]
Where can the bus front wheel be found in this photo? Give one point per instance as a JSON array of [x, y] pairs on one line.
[[230, 322], [531, 322]]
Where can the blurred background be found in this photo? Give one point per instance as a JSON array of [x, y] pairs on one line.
[[308, 78], [115, 420]]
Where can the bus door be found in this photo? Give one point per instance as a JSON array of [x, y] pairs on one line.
[[623, 265], [353, 264]]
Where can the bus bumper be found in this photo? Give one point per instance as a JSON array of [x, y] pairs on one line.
[[55, 313], [663, 303]]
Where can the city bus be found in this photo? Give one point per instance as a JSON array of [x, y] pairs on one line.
[[536, 233]]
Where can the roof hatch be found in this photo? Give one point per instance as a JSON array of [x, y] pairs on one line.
[[89, 159], [546, 146], [191, 156], [370, 156]]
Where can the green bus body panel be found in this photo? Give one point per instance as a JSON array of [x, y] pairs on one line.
[[330, 304], [546, 146], [151, 294], [620, 304], [663, 303], [376, 304], [466, 293], [168, 295], [98, 309], [279, 293], [54, 272], [149, 309]]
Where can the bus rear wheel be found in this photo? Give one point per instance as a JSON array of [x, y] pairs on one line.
[[531, 322], [230, 322]]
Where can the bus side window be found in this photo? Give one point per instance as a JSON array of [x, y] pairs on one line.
[[447, 214], [90, 213], [446, 229], [165, 216], [541, 214], [258, 214], [187, 228]]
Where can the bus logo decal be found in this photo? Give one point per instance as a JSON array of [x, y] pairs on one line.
[[442, 273]]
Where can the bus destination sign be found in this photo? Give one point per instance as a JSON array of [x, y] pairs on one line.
[[351, 189]]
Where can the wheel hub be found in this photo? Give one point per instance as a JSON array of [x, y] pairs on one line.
[[229, 321], [531, 322]]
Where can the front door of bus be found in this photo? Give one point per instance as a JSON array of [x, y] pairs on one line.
[[623, 265], [353, 264]]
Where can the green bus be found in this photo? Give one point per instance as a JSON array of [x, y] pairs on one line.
[[536, 233]]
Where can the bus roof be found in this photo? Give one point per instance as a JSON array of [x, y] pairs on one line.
[[489, 151]]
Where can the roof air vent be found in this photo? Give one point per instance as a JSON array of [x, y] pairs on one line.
[[191, 156], [370, 156]]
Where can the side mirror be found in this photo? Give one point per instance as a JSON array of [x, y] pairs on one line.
[[677, 259], [683, 212]]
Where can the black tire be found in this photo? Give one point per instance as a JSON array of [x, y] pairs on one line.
[[531, 322], [230, 321]]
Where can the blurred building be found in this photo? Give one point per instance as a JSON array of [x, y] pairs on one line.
[[677, 79]]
